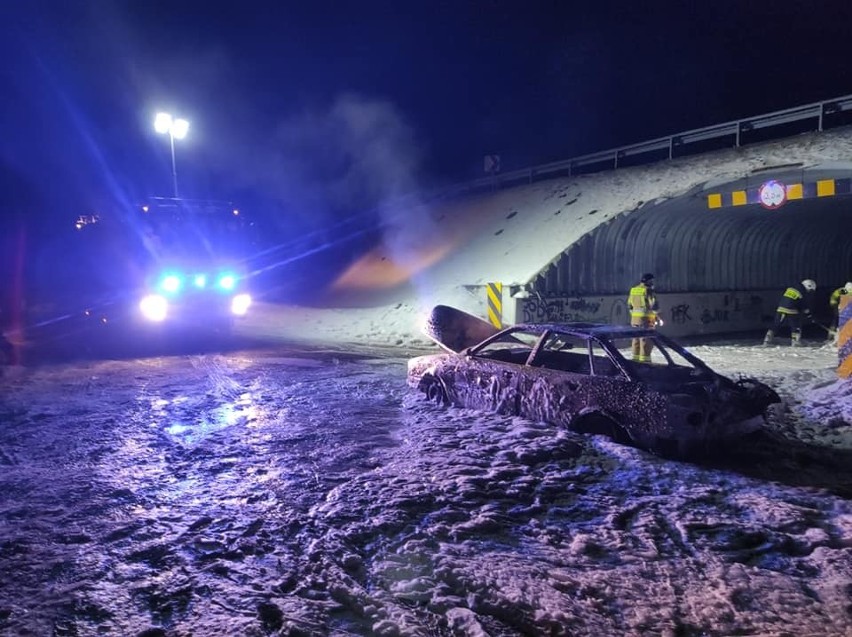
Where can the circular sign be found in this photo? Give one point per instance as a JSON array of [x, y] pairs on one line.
[[772, 195]]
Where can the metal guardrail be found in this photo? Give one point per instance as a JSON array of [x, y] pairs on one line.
[[609, 159]]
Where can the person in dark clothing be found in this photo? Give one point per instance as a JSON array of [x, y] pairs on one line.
[[794, 308]]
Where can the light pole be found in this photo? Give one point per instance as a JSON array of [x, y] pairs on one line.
[[177, 129]]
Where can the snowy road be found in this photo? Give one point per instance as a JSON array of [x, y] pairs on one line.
[[302, 492]]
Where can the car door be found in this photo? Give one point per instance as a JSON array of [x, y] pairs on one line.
[[555, 386], [487, 377]]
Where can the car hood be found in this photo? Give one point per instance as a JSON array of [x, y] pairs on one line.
[[454, 330]]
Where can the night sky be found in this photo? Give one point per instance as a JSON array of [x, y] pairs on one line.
[[319, 108]]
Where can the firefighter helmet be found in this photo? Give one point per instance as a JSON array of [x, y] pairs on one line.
[[809, 285]]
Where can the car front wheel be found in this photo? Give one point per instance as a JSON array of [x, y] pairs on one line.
[[435, 392], [598, 424]]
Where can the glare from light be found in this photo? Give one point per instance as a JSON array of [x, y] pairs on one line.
[[162, 123], [240, 304], [165, 123], [200, 280], [154, 307], [180, 128], [236, 212], [170, 283], [227, 281]]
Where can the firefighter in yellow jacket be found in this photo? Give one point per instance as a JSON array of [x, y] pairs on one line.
[[834, 304], [643, 306]]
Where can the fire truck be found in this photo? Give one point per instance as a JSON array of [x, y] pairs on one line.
[[167, 266], [195, 263]]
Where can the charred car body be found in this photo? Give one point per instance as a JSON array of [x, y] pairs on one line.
[[578, 376]]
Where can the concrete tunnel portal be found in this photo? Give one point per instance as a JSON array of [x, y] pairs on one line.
[[718, 269], [721, 255], [693, 248]]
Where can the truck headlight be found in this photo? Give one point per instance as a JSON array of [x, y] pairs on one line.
[[154, 307], [240, 304]]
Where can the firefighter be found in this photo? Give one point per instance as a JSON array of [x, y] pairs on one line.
[[796, 305], [643, 306], [834, 303]]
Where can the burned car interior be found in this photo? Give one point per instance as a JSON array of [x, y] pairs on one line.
[[584, 354]]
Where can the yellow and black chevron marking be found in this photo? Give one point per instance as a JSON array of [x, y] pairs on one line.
[[822, 188], [844, 337], [495, 304]]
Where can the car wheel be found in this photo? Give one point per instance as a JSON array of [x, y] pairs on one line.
[[436, 393], [598, 424]]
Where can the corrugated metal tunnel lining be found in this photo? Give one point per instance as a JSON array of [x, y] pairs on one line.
[[691, 248]]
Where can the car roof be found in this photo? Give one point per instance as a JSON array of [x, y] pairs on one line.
[[601, 330]]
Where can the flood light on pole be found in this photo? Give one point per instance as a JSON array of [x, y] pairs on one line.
[[162, 123], [180, 127], [176, 128]]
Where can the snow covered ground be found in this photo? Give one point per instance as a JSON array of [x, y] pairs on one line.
[[304, 490]]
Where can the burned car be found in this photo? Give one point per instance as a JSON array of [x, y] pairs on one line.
[[581, 376]]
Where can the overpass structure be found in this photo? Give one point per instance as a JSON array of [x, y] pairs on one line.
[[725, 232], [719, 268], [817, 116]]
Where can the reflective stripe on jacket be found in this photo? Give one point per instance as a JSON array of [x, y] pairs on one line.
[[790, 301], [794, 300], [834, 300], [642, 303]]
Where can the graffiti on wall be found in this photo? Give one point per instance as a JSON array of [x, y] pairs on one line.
[[618, 313], [687, 314], [714, 316], [754, 309], [680, 314], [539, 310]]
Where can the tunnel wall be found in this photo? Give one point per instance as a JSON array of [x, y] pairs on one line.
[[691, 248], [684, 314]]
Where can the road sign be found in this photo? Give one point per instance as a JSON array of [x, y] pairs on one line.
[[492, 164], [772, 194]]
